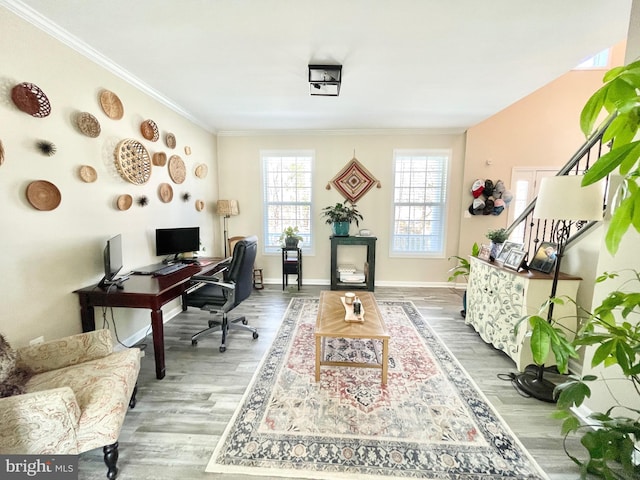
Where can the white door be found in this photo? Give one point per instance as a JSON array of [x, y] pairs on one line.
[[525, 183]]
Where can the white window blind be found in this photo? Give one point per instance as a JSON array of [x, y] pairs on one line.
[[419, 201], [287, 188]]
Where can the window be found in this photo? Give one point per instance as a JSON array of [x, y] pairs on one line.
[[599, 60], [419, 196], [286, 177]]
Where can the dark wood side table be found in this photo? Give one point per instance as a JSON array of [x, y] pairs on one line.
[[369, 266], [144, 291], [291, 265]]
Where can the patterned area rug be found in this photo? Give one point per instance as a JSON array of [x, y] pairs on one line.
[[429, 421]]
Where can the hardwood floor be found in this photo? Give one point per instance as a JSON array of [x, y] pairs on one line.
[[173, 429]]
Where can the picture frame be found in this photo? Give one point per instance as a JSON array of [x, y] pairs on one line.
[[506, 249], [484, 253], [515, 259], [545, 257]]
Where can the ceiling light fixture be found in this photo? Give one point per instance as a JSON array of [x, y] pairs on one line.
[[325, 80]]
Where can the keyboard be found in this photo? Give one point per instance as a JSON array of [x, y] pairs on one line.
[[170, 269]]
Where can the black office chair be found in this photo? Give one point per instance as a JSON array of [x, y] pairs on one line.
[[223, 295]]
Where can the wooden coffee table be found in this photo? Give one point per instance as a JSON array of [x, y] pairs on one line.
[[331, 324]]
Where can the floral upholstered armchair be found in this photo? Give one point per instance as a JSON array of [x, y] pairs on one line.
[[71, 396]]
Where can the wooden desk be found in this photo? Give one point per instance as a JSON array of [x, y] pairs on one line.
[[144, 291], [330, 323]]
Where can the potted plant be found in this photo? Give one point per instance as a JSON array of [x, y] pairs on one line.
[[463, 267], [340, 216], [497, 237], [290, 237], [613, 328]]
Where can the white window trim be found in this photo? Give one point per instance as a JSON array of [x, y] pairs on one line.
[[445, 219], [307, 249]]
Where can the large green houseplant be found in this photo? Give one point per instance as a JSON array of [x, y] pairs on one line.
[[340, 216], [612, 329]]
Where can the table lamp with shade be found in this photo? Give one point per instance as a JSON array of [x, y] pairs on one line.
[[227, 209], [562, 200]]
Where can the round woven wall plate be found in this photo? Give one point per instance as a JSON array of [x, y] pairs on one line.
[[88, 124], [177, 169], [124, 202], [149, 130], [111, 105], [43, 195], [199, 205], [165, 192], [170, 140], [132, 161], [159, 159], [30, 99], [88, 174], [201, 170]]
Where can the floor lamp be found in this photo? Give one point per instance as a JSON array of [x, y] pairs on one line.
[[561, 200], [227, 209]]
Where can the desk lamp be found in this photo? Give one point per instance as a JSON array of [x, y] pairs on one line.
[[227, 209], [561, 200]]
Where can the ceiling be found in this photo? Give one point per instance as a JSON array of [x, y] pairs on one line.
[[241, 65]]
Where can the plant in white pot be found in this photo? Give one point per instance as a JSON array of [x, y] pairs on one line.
[[340, 216], [497, 237]]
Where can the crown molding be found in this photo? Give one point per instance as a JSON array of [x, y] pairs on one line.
[[36, 19], [345, 132]]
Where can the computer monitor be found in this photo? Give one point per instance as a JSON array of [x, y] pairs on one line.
[[112, 260], [175, 241]]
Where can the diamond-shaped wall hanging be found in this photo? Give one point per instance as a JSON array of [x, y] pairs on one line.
[[353, 181]]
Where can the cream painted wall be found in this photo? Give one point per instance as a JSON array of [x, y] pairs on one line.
[[540, 130], [47, 255], [333, 151]]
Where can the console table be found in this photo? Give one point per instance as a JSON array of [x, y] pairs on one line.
[[497, 298], [144, 291], [369, 266]]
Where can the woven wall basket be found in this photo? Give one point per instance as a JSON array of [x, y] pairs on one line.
[[88, 124], [177, 169], [149, 130], [133, 161], [111, 105], [31, 99]]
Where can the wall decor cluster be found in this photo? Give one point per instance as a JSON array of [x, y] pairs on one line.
[[111, 105], [133, 162], [149, 130], [29, 98], [354, 180], [43, 195], [489, 198], [88, 124]]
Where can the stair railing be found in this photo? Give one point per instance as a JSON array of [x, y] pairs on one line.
[[536, 231]]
